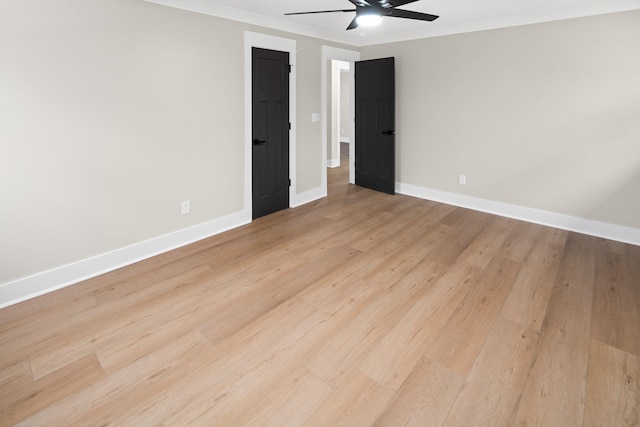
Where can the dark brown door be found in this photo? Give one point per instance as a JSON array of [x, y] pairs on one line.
[[375, 124], [270, 131]]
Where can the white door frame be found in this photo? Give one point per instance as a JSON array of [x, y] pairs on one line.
[[264, 41], [330, 53]]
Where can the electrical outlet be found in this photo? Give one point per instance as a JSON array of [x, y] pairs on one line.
[[462, 179], [186, 207]]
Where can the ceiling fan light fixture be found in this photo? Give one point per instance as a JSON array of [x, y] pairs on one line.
[[368, 19]]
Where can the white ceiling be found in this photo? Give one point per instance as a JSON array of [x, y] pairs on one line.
[[456, 16]]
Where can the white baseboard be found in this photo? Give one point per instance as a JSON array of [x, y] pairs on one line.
[[551, 219], [344, 139], [60, 277], [333, 163], [66, 275], [308, 197]]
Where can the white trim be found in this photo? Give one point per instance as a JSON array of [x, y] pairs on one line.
[[333, 163], [544, 15], [66, 275], [551, 219], [208, 8], [264, 41], [309, 196], [435, 29], [329, 53]]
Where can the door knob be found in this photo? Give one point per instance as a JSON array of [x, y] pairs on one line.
[[259, 141]]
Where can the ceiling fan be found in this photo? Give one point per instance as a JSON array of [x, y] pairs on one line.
[[370, 12]]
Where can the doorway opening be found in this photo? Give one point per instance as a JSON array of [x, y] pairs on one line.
[[340, 123], [338, 67]]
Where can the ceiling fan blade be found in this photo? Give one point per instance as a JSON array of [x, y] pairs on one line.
[[321, 11], [399, 13], [361, 3], [387, 4], [354, 24]]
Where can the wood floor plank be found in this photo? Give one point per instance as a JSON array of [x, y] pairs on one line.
[[357, 402], [352, 210], [527, 303], [23, 335], [341, 355], [147, 283], [555, 390], [379, 267], [64, 306], [391, 361], [494, 385], [34, 396], [291, 401], [225, 401], [96, 334], [614, 247], [275, 290], [13, 376], [205, 385], [420, 236], [520, 241], [135, 381], [525, 236], [216, 309], [461, 234], [613, 387], [393, 263], [481, 251], [425, 397], [119, 410], [404, 223], [457, 344], [234, 303], [45, 342], [616, 300]]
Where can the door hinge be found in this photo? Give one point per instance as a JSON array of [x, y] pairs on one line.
[[289, 68], [289, 125], [289, 182]]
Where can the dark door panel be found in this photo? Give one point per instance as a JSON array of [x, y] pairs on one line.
[[375, 124], [270, 137]]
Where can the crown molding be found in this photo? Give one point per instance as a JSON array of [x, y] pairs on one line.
[[208, 8], [589, 9], [592, 9]]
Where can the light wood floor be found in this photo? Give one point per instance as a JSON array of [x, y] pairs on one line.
[[358, 309]]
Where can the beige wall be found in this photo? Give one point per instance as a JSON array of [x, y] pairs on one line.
[[542, 116], [114, 111]]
